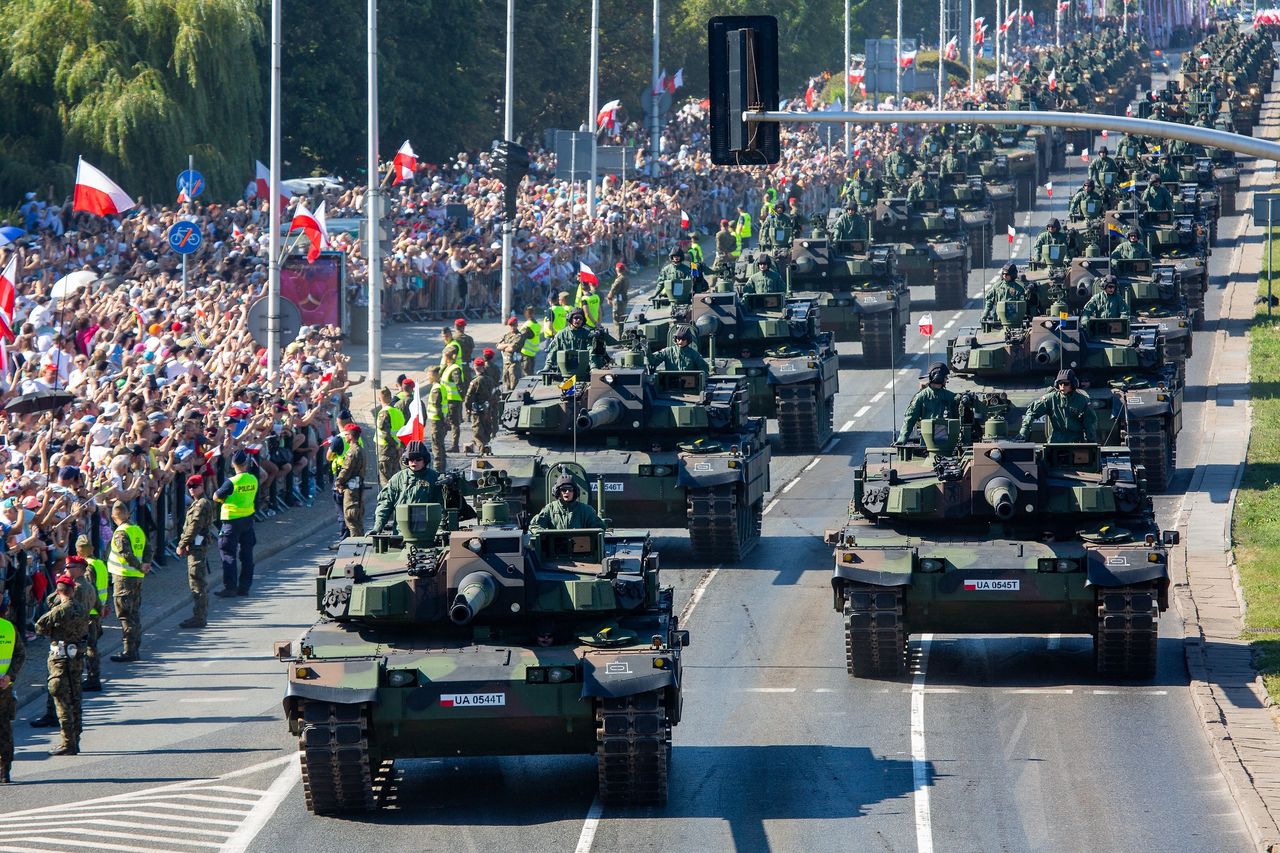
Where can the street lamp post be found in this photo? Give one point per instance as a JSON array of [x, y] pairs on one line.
[[897, 62], [942, 41], [373, 251], [847, 93], [655, 95], [593, 99], [273, 218], [508, 130]]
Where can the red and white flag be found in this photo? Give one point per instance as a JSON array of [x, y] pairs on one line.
[[1048, 189], [1084, 156], [608, 115], [314, 226], [677, 81], [1104, 134], [660, 84], [980, 35], [906, 58], [262, 181], [952, 50], [1062, 7], [405, 163], [1030, 18], [183, 198], [98, 194], [810, 94], [414, 429], [1205, 59], [1012, 233], [684, 220], [237, 233], [857, 75], [1053, 80], [926, 325], [586, 275], [8, 296]]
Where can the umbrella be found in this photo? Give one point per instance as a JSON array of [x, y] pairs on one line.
[[10, 234], [72, 282], [38, 401]]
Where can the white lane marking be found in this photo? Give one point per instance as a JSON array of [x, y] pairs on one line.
[[877, 397], [888, 385], [1055, 640], [919, 764], [766, 690], [589, 827], [1040, 691], [698, 591], [122, 836], [62, 843], [769, 506], [264, 810], [846, 426], [957, 315], [938, 334], [949, 324], [904, 371], [823, 690], [944, 690], [789, 486], [812, 464], [861, 411], [209, 699]]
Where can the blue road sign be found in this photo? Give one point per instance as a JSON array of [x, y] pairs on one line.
[[184, 237], [191, 182]]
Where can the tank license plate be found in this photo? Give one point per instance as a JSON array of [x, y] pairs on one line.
[[608, 487], [473, 700], [992, 585]]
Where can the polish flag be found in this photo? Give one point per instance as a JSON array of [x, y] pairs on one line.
[[1053, 80], [857, 76], [183, 198], [677, 81], [96, 193], [1084, 156], [1030, 17], [907, 57], [926, 325], [1204, 59], [313, 225], [979, 24], [414, 429], [1062, 7], [684, 220], [980, 36], [608, 114], [952, 50], [263, 182], [1104, 134], [237, 233], [810, 94], [405, 163], [661, 83], [1012, 233], [585, 274], [1048, 188], [1008, 22], [8, 295]]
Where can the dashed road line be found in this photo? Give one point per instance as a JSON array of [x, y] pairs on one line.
[[877, 397], [813, 464], [861, 411], [768, 508], [789, 486], [846, 426], [919, 761]]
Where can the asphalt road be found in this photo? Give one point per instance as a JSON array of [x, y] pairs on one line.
[[994, 743]]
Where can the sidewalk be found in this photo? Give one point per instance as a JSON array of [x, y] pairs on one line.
[[1227, 690]]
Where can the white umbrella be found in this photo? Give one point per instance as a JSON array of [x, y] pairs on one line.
[[72, 282]]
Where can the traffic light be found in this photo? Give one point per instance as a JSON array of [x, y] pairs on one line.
[[512, 161], [742, 55]]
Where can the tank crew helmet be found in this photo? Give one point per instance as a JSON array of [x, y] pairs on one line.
[[1133, 234], [1102, 152], [415, 450], [683, 334], [1154, 178], [677, 255], [1109, 282], [938, 373], [563, 482], [1054, 224], [577, 314], [1069, 377], [764, 261], [1010, 271]]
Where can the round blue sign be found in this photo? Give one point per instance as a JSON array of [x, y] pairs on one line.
[[191, 182], [184, 238]]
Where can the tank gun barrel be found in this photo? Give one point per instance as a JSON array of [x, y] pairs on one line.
[[601, 413], [1048, 352], [475, 592], [1001, 494]]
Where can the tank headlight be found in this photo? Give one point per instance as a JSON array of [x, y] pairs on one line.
[[535, 675], [515, 607], [930, 565], [559, 674], [846, 557], [661, 663], [474, 545], [608, 377], [304, 672], [1065, 565], [1153, 557], [402, 677]]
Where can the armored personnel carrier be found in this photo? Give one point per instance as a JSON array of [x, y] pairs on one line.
[[1135, 392], [673, 448], [791, 368], [484, 641], [931, 247], [999, 537]]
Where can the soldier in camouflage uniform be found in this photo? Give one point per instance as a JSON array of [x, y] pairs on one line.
[[388, 442], [13, 654], [415, 483], [478, 402], [931, 401], [128, 567], [97, 573], [194, 545], [675, 282], [493, 368], [65, 625], [510, 345], [681, 355], [1007, 289], [1068, 416], [566, 512], [349, 479], [1108, 305]]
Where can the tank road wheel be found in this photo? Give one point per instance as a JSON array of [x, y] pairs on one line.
[[804, 420], [338, 772], [1124, 645], [633, 749], [875, 636], [722, 527], [1154, 449], [881, 335], [950, 284]]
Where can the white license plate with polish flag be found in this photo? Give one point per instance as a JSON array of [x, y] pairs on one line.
[[473, 700], [992, 585]]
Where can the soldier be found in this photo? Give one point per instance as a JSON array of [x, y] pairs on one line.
[[1051, 236], [980, 141], [1007, 289], [776, 231], [849, 225], [129, 562], [194, 545], [953, 162], [1107, 304], [237, 536], [557, 315], [349, 480], [510, 346], [466, 343], [1131, 249], [566, 512], [798, 220], [1169, 172], [388, 422], [493, 368], [1068, 416], [931, 401], [675, 282], [900, 165], [453, 380], [478, 402], [575, 337], [1102, 165], [726, 245], [13, 654], [437, 405], [1156, 196], [617, 295], [922, 189], [765, 279], [414, 483], [65, 624], [681, 355], [1086, 203], [102, 585]]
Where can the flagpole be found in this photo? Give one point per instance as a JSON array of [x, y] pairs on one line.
[[374, 211], [847, 93], [897, 64], [275, 213], [508, 130], [942, 40], [973, 49], [999, 20], [655, 94], [593, 97], [191, 167]]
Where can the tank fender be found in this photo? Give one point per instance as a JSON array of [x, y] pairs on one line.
[[346, 682], [791, 371], [875, 303], [1127, 566], [881, 567], [1144, 404], [614, 675], [704, 470], [869, 575]]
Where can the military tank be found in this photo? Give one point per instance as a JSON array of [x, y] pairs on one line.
[[861, 295], [482, 640], [1135, 391], [931, 247], [674, 448], [999, 537], [1179, 241], [994, 171], [977, 215], [790, 366]]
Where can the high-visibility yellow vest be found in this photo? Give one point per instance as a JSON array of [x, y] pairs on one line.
[[450, 379], [457, 352], [396, 417], [744, 225], [8, 640], [695, 253], [116, 564], [101, 582], [531, 345], [244, 491], [559, 318], [435, 411], [590, 305]]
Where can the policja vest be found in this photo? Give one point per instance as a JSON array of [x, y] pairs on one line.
[[116, 564], [590, 305], [531, 344], [559, 317], [396, 418], [695, 253], [450, 378], [8, 640], [100, 582], [244, 491]]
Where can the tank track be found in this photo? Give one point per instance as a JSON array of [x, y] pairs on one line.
[[875, 634], [805, 422], [882, 339], [1124, 645], [1154, 449], [338, 772], [980, 246], [722, 527], [1002, 211], [951, 283], [633, 749]]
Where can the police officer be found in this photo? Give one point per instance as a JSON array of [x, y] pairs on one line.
[[589, 301], [1007, 289], [453, 379], [349, 480], [1086, 203], [237, 537], [533, 340], [128, 562], [13, 654], [414, 483], [1131, 249], [566, 512], [675, 282], [386, 437], [194, 545], [765, 279], [557, 315], [931, 401], [478, 402], [1156, 196], [743, 229], [1107, 304], [681, 355], [65, 624], [437, 413], [618, 295], [1069, 418], [1051, 236], [102, 585]]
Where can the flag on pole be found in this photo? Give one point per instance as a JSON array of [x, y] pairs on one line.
[[183, 198], [810, 94], [952, 50], [857, 75], [1053, 80], [684, 220], [1012, 233], [1084, 156], [1062, 7], [98, 194], [678, 80], [262, 181], [661, 83], [8, 296], [312, 225], [237, 233], [1104, 134], [405, 163], [586, 275], [608, 114], [1048, 188], [1030, 17], [926, 325], [414, 429], [907, 57]]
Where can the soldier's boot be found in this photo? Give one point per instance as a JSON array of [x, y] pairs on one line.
[[127, 657], [64, 748], [92, 684], [49, 719], [192, 622], [4, 774]]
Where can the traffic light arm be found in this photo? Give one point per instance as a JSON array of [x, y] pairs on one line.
[[1207, 136]]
